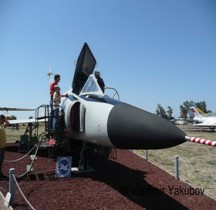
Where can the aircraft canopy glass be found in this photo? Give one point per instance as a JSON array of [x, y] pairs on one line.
[[91, 87]]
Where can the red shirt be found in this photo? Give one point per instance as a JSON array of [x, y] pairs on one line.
[[52, 88]]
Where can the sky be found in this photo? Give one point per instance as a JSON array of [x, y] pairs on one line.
[[152, 51]]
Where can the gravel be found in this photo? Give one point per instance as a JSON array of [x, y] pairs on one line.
[[125, 182]]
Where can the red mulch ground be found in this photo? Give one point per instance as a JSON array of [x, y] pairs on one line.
[[128, 182]]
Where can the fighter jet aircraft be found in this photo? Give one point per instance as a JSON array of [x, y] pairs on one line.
[[200, 119], [93, 117], [99, 122]]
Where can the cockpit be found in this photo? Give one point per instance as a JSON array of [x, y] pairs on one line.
[[91, 87]]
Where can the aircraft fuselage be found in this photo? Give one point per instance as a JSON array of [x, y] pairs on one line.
[[107, 122]]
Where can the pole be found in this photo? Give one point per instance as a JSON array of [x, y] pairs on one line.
[[146, 154], [177, 167], [11, 184]]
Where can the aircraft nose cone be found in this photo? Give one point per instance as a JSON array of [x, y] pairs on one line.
[[132, 128]]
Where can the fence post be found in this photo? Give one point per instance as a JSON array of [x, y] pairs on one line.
[[146, 154], [11, 184], [177, 167]]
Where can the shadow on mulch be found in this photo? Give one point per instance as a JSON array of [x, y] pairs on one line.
[[131, 184], [128, 182], [12, 147]]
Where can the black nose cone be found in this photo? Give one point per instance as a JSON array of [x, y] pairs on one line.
[[132, 128]]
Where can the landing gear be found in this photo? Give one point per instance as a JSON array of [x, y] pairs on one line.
[[83, 162], [87, 151], [100, 151]]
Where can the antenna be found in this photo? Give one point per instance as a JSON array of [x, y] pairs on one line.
[[50, 75]]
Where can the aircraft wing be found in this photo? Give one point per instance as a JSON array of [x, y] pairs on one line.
[[85, 66], [12, 122], [206, 124], [14, 109]]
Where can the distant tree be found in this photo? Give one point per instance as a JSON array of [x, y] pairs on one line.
[[160, 111], [13, 117], [202, 105], [187, 104], [169, 113], [184, 108]]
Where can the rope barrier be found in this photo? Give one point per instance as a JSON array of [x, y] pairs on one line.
[[201, 141], [32, 162], [12, 178], [42, 135], [22, 193], [40, 144], [12, 161]]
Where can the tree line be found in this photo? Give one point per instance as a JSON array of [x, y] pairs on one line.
[[167, 114]]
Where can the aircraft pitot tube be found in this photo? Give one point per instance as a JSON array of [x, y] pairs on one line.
[[201, 141]]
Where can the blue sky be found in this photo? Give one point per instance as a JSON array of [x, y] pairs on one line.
[[152, 51]]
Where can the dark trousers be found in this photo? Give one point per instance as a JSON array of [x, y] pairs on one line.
[[51, 115], [55, 119], [2, 152]]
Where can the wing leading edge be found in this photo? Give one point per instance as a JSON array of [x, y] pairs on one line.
[[14, 109]]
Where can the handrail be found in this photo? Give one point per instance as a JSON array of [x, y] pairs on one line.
[[116, 92]]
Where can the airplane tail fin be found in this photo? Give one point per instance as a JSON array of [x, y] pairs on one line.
[[195, 112]]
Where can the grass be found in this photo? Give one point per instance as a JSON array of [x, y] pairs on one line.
[[197, 163], [14, 135]]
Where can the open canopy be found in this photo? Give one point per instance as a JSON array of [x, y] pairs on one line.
[[85, 66]]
